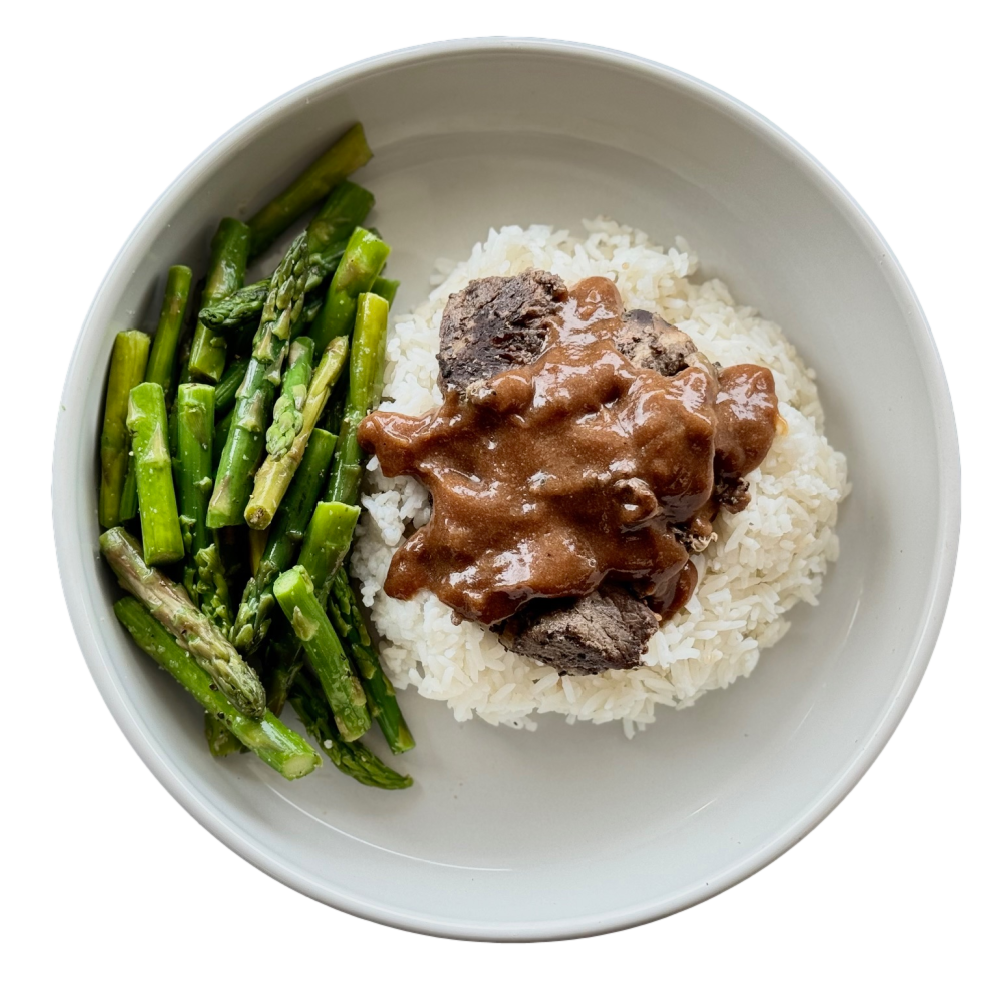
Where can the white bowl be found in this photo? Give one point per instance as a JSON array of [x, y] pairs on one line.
[[570, 830]]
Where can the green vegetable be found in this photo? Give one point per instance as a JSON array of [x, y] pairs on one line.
[[284, 538], [277, 745], [342, 688], [147, 423], [226, 269], [172, 608], [363, 393], [163, 353], [364, 258], [286, 421], [245, 441], [128, 366], [273, 477], [348, 153], [220, 739], [354, 759], [225, 390], [386, 288]]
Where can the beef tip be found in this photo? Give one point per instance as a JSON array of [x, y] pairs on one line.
[[649, 341], [606, 630], [494, 324]]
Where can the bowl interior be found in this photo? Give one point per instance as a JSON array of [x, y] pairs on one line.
[[570, 829]]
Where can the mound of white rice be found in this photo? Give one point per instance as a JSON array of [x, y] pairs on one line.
[[766, 559]]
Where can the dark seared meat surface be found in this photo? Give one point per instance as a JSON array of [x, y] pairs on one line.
[[605, 630], [650, 341], [494, 324]]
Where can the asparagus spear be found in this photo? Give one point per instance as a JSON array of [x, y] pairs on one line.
[[326, 542], [348, 153], [129, 506], [128, 365], [237, 309], [210, 584], [346, 617], [163, 353], [327, 235], [171, 607], [286, 420], [147, 421], [342, 688], [386, 288], [195, 424], [276, 473], [220, 739], [345, 210], [220, 436], [204, 576], [254, 615], [364, 392], [277, 745], [283, 659], [245, 441], [359, 267], [226, 268], [353, 759], [225, 389]]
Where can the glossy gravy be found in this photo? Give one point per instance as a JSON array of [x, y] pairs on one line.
[[580, 466]]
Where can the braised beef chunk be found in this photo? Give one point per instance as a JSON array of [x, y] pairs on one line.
[[606, 630], [494, 324], [649, 341]]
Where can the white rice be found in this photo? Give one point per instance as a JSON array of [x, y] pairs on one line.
[[766, 559]]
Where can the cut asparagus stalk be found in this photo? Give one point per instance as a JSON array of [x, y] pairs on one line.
[[147, 422], [245, 441], [386, 288], [363, 393], [326, 544], [129, 507], [195, 426], [225, 390], [171, 607], [128, 365], [277, 745], [293, 591], [284, 538], [353, 759], [204, 576], [273, 477], [163, 353], [382, 704], [348, 153], [333, 225], [327, 540], [219, 437], [364, 258], [286, 420], [226, 269]]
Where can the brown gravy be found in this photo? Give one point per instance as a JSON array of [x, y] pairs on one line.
[[580, 466]]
